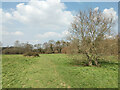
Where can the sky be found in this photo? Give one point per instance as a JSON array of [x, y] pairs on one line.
[[40, 21]]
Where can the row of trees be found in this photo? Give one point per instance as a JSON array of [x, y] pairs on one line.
[[108, 46], [48, 47]]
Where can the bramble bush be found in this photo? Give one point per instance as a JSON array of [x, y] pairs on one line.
[[31, 54]]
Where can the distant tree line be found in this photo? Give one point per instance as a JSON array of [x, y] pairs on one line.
[[46, 48], [108, 46]]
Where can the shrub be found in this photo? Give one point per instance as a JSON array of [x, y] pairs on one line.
[[78, 59], [31, 54]]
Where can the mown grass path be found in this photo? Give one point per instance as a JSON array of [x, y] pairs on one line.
[[55, 71]]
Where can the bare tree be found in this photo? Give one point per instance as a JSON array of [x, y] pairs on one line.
[[17, 43], [58, 46], [88, 31], [51, 46]]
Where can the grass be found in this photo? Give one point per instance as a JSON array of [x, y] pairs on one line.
[[55, 71]]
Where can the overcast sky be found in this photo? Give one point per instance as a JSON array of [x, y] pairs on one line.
[[40, 21]]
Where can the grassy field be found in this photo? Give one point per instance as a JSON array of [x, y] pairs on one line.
[[55, 71]]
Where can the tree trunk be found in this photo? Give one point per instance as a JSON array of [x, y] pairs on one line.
[[90, 63], [96, 62]]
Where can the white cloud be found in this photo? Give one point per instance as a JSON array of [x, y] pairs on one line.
[[6, 17], [41, 14], [49, 35], [53, 35], [110, 13], [65, 33], [17, 33], [48, 17], [96, 9]]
